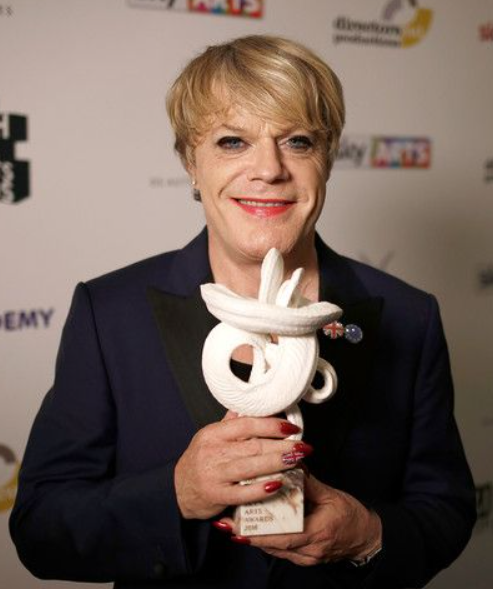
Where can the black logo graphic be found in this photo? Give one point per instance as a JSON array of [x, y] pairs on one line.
[[488, 171], [6, 10], [8, 488], [7, 454], [484, 504], [14, 174], [486, 277]]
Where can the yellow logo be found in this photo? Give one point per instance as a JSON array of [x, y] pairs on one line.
[[403, 24], [9, 470], [416, 29]]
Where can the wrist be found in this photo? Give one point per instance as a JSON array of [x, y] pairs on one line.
[[181, 503], [373, 543]]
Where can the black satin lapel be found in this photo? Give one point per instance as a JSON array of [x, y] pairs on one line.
[[184, 323], [327, 424]]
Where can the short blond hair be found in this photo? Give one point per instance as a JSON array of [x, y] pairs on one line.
[[275, 78]]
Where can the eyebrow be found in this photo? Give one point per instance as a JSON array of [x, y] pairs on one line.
[[239, 129], [232, 128]]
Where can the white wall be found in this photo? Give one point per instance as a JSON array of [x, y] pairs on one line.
[[106, 188]]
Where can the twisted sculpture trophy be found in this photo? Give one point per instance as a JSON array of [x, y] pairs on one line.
[[281, 373]]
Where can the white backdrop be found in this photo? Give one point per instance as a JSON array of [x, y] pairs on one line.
[[106, 188]]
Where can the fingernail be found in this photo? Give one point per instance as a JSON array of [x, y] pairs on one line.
[[290, 458], [222, 527], [303, 448], [240, 540], [273, 486], [288, 428]]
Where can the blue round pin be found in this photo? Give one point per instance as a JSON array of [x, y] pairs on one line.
[[353, 333]]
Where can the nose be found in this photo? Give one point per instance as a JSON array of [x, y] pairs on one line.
[[267, 164]]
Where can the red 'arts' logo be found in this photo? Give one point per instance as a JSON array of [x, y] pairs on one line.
[[486, 32], [247, 8]]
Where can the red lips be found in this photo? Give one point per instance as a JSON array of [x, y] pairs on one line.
[[264, 207]]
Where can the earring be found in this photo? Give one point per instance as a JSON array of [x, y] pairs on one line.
[[195, 191]]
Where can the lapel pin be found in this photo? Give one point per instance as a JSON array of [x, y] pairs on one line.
[[353, 333], [333, 330]]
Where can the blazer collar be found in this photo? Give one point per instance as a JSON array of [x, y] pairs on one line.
[[184, 323], [189, 268]]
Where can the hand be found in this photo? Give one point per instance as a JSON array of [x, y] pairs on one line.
[[222, 454], [337, 527]]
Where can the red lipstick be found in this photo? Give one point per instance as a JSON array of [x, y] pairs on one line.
[[264, 207]]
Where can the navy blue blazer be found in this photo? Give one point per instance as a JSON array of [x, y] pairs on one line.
[[96, 498]]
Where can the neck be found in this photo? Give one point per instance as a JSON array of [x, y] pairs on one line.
[[241, 274]]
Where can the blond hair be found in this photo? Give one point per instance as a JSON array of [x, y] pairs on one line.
[[274, 78]]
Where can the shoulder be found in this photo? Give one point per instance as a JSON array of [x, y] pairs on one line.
[[404, 308], [178, 272], [380, 283], [134, 275], [409, 315], [356, 280], [120, 296]]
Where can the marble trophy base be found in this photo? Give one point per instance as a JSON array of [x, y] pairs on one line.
[[281, 514]]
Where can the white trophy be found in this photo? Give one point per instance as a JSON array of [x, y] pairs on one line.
[[281, 375]]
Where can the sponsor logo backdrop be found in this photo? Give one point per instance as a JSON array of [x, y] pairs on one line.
[[14, 174], [89, 180]]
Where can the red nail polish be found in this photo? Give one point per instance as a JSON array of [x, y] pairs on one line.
[[272, 486], [240, 540], [292, 458], [289, 429], [289, 458], [222, 527], [303, 448]]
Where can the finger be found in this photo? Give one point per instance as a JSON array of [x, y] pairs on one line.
[[243, 428], [290, 452], [225, 525], [294, 557], [241, 494], [303, 547], [230, 415], [284, 542], [260, 464], [227, 522], [309, 547]]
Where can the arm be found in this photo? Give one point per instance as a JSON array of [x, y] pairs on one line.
[[75, 517], [432, 521]]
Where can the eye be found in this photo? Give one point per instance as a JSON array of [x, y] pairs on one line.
[[300, 142], [230, 142]]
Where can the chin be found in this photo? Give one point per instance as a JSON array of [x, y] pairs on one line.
[[257, 247]]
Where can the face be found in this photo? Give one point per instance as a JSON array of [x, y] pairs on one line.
[[262, 186]]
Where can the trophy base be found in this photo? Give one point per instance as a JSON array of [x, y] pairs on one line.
[[281, 514]]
